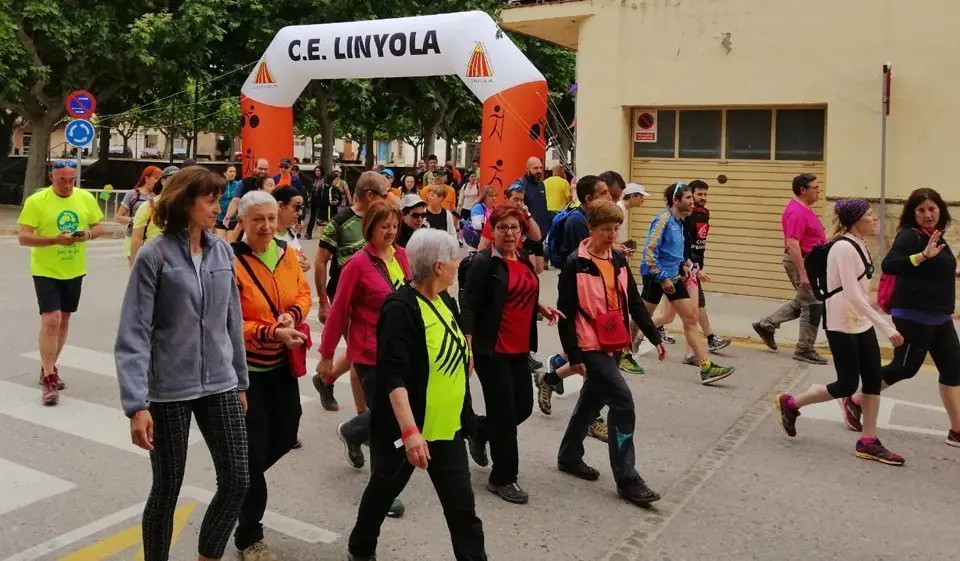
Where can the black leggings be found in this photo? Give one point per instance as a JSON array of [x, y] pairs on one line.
[[221, 421], [918, 340], [856, 356], [508, 396]]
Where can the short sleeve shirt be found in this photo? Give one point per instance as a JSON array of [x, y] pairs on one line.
[[557, 190], [395, 271], [801, 223], [144, 218], [49, 214], [447, 385], [518, 308], [346, 240], [132, 201]]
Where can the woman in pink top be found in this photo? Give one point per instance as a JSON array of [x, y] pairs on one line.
[[366, 280], [851, 327]]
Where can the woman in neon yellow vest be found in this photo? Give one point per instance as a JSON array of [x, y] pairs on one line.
[[421, 407]]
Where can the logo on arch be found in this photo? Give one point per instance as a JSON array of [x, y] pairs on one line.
[[478, 67], [264, 77]]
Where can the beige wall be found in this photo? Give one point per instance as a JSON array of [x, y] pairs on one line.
[[669, 53]]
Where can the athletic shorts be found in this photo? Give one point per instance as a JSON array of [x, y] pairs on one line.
[[228, 227], [57, 295], [653, 292], [533, 248], [701, 302]]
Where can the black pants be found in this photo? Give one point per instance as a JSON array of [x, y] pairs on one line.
[[357, 430], [603, 385], [273, 419], [856, 357], [318, 210], [918, 340], [508, 395], [389, 473], [220, 419]]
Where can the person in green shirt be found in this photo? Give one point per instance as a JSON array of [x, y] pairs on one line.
[[55, 223], [144, 226]]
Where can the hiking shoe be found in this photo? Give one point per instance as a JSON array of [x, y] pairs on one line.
[[533, 363], [49, 395], [353, 451], [396, 509], [713, 373], [877, 452], [629, 365], [953, 438], [690, 360], [786, 415], [766, 335], [851, 414], [555, 362], [665, 337], [327, 400], [598, 429], [581, 470], [544, 393], [715, 343], [512, 493], [478, 451], [638, 493], [810, 357], [56, 374], [258, 552]]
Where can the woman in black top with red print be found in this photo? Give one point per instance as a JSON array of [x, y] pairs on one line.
[[500, 301]]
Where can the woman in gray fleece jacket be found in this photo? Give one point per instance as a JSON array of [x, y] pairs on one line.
[[179, 353]]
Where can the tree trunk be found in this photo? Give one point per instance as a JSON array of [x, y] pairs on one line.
[[326, 132], [371, 157], [6, 133], [430, 129], [36, 175], [104, 145]]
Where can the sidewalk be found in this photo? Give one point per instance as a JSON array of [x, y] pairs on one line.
[[10, 213]]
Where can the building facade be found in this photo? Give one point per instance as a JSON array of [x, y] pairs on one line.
[[746, 94]]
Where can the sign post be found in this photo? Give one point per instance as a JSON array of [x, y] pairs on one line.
[[886, 90], [79, 133]]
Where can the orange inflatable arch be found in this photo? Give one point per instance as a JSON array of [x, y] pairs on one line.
[[466, 44]]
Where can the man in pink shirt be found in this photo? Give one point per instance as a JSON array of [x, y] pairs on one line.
[[802, 230]]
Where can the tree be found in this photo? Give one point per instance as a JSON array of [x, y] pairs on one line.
[[49, 48], [226, 122]]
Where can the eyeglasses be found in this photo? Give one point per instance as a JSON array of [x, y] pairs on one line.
[[65, 164], [508, 229], [418, 215], [284, 166]]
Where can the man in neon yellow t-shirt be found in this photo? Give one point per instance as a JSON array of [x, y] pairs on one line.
[[55, 223]]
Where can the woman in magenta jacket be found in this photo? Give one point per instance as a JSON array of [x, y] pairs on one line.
[[368, 277]]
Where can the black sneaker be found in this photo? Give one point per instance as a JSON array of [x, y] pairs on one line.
[[581, 470], [766, 335], [354, 452], [665, 337], [715, 343], [810, 357], [512, 493], [396, 509], [533, 363], [351, 557], [786, 415], [327, 400], [478, 451], [638, 493]]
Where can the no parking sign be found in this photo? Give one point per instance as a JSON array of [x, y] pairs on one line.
[[81, 104], [645, 126]]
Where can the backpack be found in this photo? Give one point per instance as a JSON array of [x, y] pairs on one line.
[[887, 286], [462, 272], [558, 254], [815, 264]]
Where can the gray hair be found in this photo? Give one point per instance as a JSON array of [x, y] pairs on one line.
[[428, 247], [255, 198]]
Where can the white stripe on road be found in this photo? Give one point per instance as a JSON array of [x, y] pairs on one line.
[[73, 536], [90, 421], [21, 486], [278, 522], [97, 362]]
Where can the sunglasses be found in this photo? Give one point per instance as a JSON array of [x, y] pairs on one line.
[[418, 215], [65, 164], [284, 166], [298, 208], [678, 190]]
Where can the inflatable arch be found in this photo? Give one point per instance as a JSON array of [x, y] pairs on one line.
[[466, 44]]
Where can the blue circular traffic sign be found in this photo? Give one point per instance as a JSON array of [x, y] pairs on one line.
[[81, 104], [79, 133]]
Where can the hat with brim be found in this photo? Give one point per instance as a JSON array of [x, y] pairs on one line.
[[635, 189], [410, 201]]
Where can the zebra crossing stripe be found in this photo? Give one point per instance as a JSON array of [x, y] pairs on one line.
[[21, 486]]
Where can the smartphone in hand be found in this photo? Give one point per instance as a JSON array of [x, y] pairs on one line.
[[79, 234]]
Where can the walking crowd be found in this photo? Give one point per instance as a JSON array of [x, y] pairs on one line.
[[213, 328]]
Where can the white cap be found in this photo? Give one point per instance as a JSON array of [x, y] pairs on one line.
[[410, 201], [635, 189]]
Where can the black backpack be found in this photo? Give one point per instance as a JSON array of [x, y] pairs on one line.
[[462, 271], [815, 264]]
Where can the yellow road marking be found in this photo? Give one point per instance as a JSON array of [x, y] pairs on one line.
[[128, 538]]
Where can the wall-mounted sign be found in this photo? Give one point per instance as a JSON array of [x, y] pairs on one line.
[[645, 126]]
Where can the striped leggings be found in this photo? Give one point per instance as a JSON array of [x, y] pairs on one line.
[[221, 421]]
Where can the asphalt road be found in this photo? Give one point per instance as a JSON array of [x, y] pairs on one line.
[[735, 487]]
